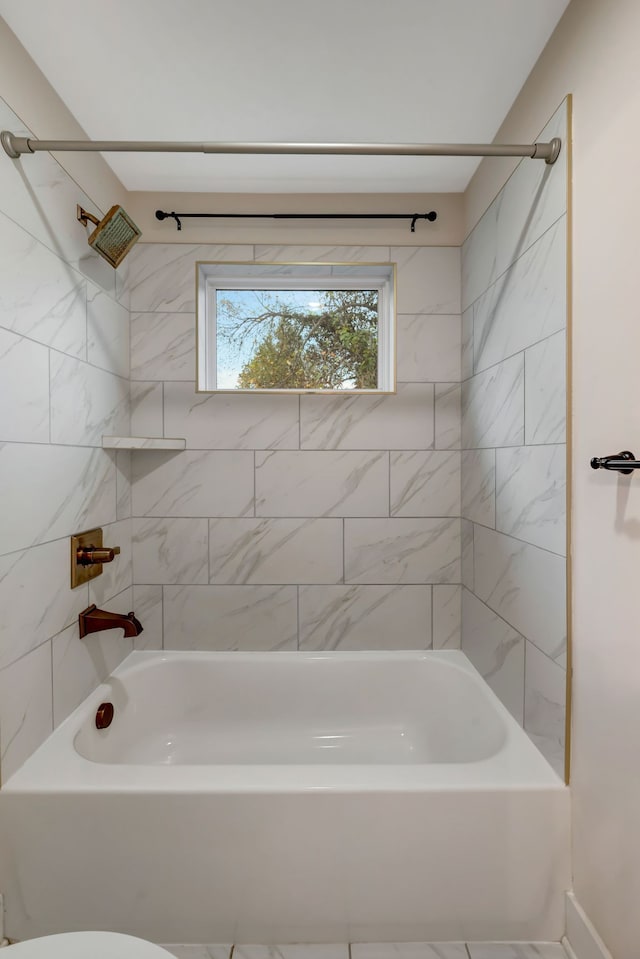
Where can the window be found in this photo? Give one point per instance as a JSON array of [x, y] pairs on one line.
[[297, 327]]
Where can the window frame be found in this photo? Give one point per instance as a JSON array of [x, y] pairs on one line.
[[214, 275]]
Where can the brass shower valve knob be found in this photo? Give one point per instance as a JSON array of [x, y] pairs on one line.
[[92, 555], [89, 555]]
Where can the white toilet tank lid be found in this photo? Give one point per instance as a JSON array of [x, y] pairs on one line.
[[86, 945]]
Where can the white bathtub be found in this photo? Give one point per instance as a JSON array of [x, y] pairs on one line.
[[288, 797]]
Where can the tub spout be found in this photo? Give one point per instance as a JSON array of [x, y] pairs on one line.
[[92, 620]]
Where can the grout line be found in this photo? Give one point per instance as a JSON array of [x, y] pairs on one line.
[[298, 616], [344, 560]]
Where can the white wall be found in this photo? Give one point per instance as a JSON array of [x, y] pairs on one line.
[[594, 55]]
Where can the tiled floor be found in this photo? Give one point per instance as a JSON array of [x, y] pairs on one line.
[[375, 950]]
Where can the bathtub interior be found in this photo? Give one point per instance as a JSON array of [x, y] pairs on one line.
[[306, 708]]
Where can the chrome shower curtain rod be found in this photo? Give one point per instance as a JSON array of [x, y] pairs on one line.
[[16, 146]]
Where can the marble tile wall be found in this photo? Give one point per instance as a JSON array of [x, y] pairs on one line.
[[64, 368], [311, 522], [513, 400]]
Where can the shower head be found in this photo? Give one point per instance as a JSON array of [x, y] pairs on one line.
[[114, 235]]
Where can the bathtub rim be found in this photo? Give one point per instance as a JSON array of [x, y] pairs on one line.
[[56, 766]]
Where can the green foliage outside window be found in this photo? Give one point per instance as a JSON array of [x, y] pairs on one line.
[[286, 344]]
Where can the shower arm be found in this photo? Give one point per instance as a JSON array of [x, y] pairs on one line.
[[15, 146]]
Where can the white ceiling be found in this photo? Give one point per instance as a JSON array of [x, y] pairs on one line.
[[320, 70]]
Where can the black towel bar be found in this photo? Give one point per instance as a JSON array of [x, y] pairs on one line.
[[624, 462]]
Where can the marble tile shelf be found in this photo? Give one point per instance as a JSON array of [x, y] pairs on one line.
[[142, 443]]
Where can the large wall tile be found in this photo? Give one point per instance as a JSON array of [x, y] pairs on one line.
[[467, 344], [479, 486], [493, 406], [533, 198], [147, 605], [428, 348], [25, 708], [448, 398], [227, 421], [24, 389], [425, 483], [50, 491], [530, 495], [35, 598], [122, 278], [170, 550], [402, 421], [447, 617], [231, 617], [193, 483], [545, 391], [365, 617], [41, 296], [123, 484], [402, 551], [318, 254], [162, 276], [163, 346], [314, 483], [107, 332], [147, 410], [467, 553], [276, 551], [527, 304], [86, 403], [79, 665], [526, 586], [544, 706], [497, 652], [428, 279]]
